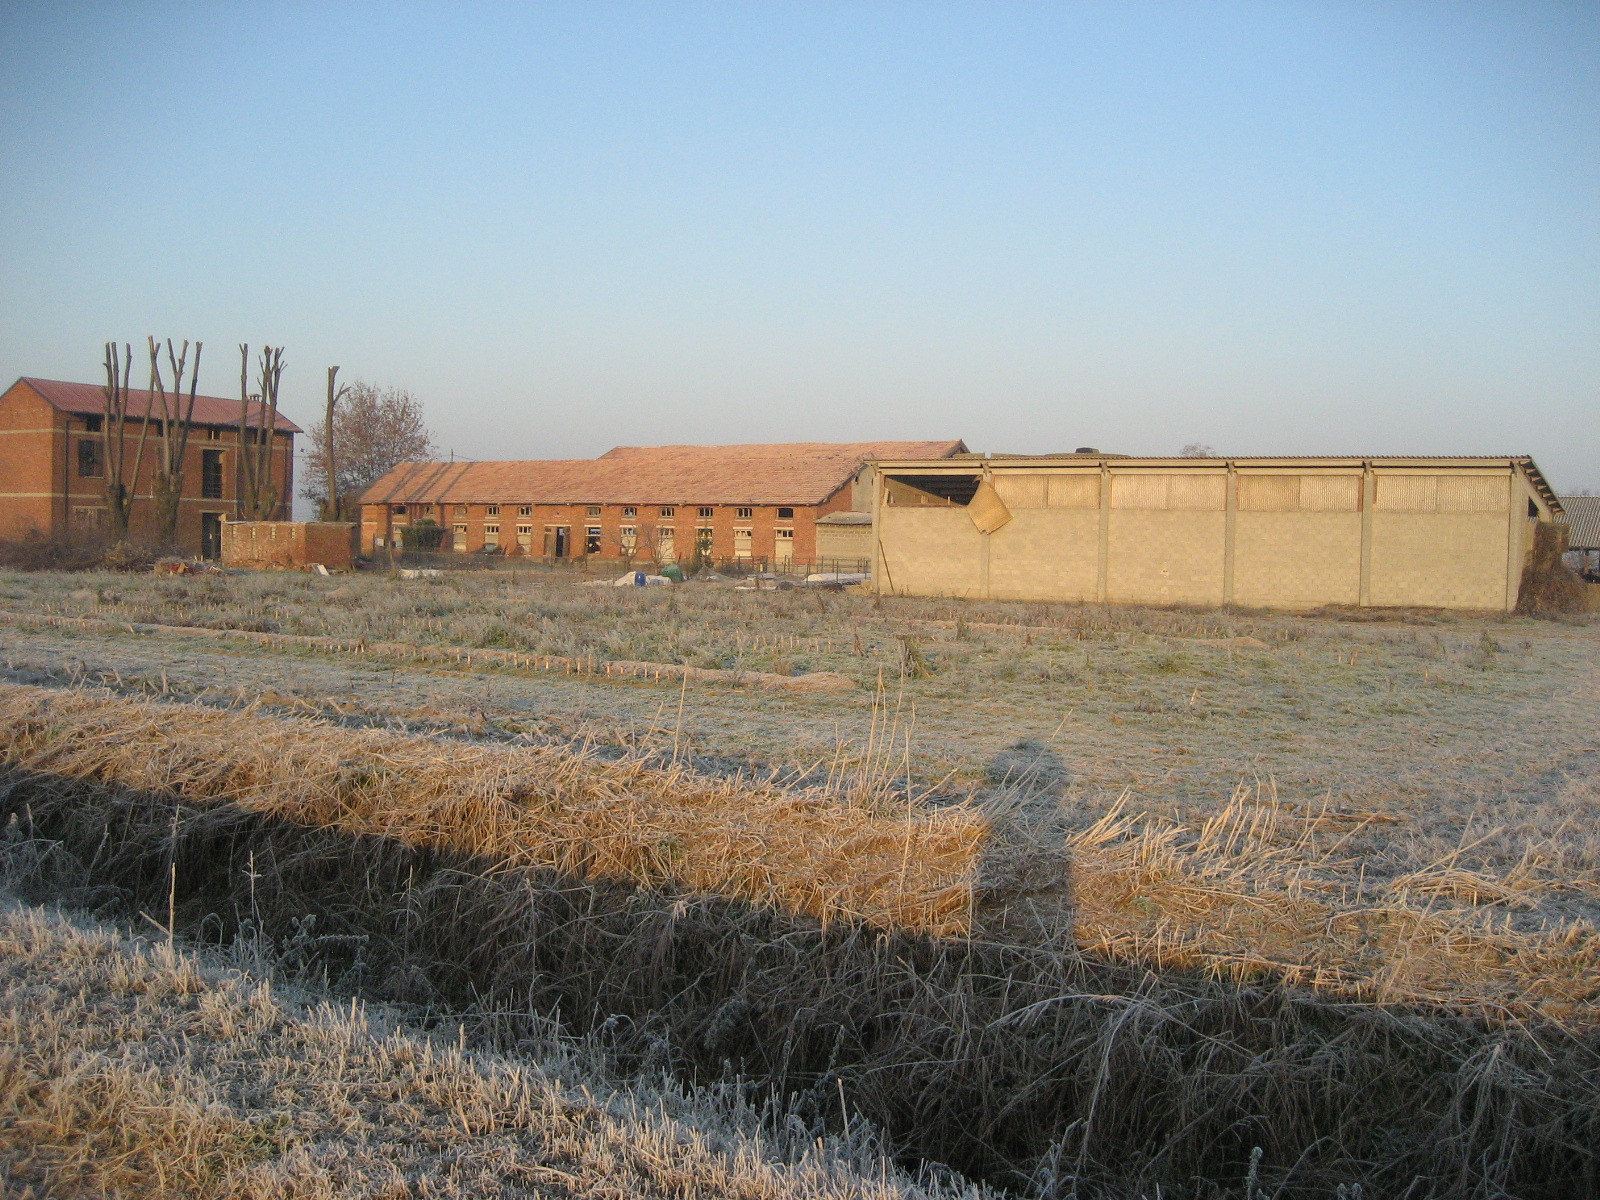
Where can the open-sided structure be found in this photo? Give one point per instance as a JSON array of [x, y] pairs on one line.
[[1268, 532]]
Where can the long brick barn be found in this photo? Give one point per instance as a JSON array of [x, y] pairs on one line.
[[53, 463], [659, 503]]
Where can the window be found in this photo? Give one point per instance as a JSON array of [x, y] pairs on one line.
[[630, 538], [89, 516], [461, 510], [668, 511], [92, 423], [707, 511], [594, 510], [494, 510], [211, 474], [744, 514], [591, 540], [786, 514], [91, 462], [460, 537], [214, 433], [741, 543], [491, 535], [399, 510], [525, 510], [525, 538], [630, 511]]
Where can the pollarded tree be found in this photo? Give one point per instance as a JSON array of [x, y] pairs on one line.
[[373, 430], [258, 495], [121, 476], [173, 424]]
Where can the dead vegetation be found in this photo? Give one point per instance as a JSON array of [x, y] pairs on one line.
[[129, 1069], [1260, 892], [523, 807], [461, 887]]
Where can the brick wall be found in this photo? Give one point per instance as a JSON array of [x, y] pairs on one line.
[[380, 525], [291, 545]]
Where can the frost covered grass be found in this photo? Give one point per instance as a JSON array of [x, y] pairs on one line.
[[526, 887], [133, 1068]]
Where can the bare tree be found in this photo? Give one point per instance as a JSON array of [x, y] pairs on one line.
[[175, 422], [1197, 450], [121, 484], [330, 503], [258, 494], [374, 430]]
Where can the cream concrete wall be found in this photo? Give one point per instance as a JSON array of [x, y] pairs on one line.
[[844, 541], [1156, 557], [1297, 559], [1045, 554], [1439, 560], [1272, 536], [930, 552]]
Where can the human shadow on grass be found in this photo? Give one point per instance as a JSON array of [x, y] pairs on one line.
[[1030, 1066]]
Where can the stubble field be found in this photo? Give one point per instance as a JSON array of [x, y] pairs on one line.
[[1390, 816]]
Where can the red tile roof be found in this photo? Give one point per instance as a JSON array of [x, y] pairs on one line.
[[88, 399], [792, 473]]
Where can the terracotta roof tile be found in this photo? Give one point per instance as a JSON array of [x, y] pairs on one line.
[[792, 473], [88, 399]]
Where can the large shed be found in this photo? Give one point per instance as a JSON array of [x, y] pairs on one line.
[[1269, 532], [1582, 515]]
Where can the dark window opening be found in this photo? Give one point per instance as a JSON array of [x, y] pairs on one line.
[[1533, 510], [93, 424], [399, 510], [707, 511], [91, 460], [591, 540], [914, 490], [786, 514], [211, 474]]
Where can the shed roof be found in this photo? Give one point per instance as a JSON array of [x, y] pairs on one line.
[[764, 473], [88, 399], [846, 518], [1583, 521]]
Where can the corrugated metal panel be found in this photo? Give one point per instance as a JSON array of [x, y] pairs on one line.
[[1583, 521]]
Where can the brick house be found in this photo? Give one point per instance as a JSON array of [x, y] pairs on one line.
[[52, 463], [757, 503]]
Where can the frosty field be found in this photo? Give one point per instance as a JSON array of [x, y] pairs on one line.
[[1324, 885]]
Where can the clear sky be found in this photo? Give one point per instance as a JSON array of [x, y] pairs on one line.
[[1270, 227]]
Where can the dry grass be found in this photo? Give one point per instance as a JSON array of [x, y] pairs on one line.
[[130, 1070], [377, 861], [1255, 892], [520, 806]]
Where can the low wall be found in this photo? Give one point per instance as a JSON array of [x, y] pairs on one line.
[[287, 545]]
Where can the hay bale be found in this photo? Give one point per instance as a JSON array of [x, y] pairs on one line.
[[1549, 587]]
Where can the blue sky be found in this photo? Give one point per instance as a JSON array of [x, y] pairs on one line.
[[1273, 228]]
